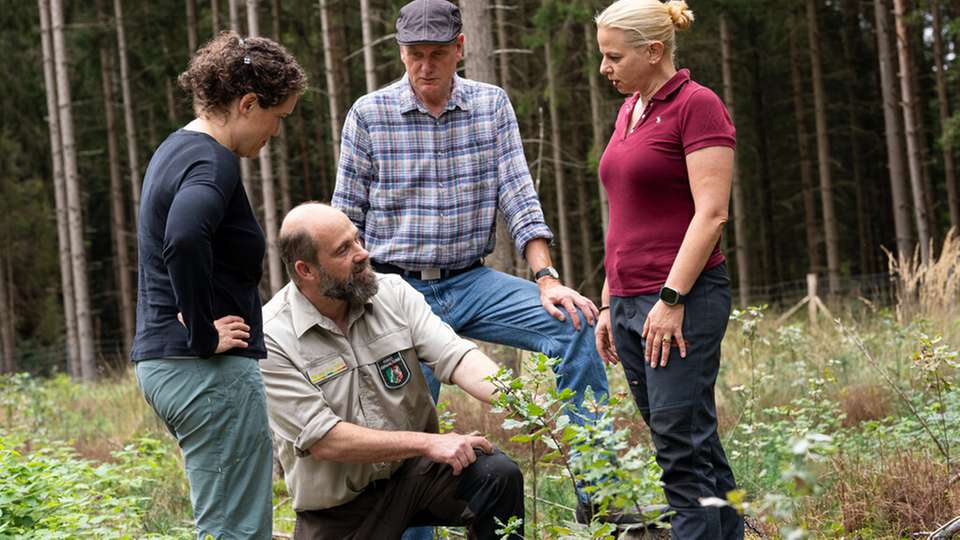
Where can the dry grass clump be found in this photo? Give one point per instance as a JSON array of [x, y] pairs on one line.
[[863, 402], [906, 493], [928, 289]]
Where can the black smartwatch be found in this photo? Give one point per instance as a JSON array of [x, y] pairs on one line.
[[670, 296], [546, 271]]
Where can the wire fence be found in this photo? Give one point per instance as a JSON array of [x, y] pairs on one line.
[[112, 356]]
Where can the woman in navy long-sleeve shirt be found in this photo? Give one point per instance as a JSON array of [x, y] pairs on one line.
[[199, 327]]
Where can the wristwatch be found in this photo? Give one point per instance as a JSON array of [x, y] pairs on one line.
[[546, 271], [670, 296]]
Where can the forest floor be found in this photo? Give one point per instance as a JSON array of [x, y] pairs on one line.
[[846, 429]]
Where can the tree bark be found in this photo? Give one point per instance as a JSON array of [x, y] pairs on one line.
[[742, 256], [117, 214], [479, 66], [88, 365], [943, 108], [369, 61], [587, 262], [850, 50], [503, 44], [910, 127], [233, 9], [60, 195], [8, 362], [596, 120], [304, 149], [893, 133], [557, 151], [129, 124], [332, 88], [191, 26], [215, 17], [803, 153], [283, 151], [823, 151], [266, 182]]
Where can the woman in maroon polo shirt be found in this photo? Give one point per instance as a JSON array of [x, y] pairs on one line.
[[668, 170]]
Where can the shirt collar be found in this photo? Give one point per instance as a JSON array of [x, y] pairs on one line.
[[671, 86], [410, 102], [304, 314]]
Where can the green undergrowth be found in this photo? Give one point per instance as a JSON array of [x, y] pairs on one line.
[[837, 430]]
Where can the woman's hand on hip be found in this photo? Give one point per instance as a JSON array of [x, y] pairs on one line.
[[663, 329], [603, 335], [233, 332]]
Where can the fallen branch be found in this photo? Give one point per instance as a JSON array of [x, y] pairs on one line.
[[947, 531]]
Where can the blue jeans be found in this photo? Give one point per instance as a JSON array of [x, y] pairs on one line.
[[499, 308]]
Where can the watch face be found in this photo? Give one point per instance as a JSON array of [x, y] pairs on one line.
[[669, 296]]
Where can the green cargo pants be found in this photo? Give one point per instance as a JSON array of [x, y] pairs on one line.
[[216, 409]]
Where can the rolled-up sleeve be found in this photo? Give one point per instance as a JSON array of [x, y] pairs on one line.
[[517, 198], [298, 410], [436, 344]]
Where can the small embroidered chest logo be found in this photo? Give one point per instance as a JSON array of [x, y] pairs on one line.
[[393, 370]]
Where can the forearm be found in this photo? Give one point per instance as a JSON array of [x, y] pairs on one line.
[[695, 250], [471, 375], [605, 294], [350, 443], [537, 254]]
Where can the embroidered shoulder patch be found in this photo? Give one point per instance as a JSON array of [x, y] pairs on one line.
[[393, 370]]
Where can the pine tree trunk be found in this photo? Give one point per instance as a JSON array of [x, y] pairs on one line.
[[943, 108], [283, 151], [191, 26], [129, 125], [332, 87], [88, 365], [233, 9], [587, 262], [304, 150], [823, 151], [117, 214], [596, 119], [7, 362], [919, 67], [910, 127], [557, 150], [60, 196], [503, 45], [803, 153], [742, 256], [479, 66], [266, 182], [893, 133], [369, 61], [864, 227], [215, 17]]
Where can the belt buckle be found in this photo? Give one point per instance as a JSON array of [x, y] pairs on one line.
[[429, 274]]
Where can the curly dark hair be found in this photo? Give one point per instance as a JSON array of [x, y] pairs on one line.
[[228, 66]]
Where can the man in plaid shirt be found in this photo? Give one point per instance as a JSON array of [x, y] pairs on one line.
[[425, 163]]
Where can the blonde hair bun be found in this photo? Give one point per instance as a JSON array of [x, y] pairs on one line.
[[680, 14]]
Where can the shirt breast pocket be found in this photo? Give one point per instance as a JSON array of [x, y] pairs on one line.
[[392, 358]]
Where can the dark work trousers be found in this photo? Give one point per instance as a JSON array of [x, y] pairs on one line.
[[677, 403], [424, 493]]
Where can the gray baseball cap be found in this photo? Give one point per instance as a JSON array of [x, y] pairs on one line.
[[428, 21]]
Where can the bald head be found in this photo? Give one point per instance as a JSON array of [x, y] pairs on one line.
[[307, 229]]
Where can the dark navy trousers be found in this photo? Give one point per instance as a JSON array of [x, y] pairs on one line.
[[677, 403]]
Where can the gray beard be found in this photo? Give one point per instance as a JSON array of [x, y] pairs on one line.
[[358, 288]]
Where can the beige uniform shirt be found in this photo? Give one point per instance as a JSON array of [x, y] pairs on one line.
[[316, 377]]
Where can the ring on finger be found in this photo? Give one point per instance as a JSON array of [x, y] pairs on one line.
[[666, 339]]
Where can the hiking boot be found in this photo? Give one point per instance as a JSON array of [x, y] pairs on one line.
[[585, 514]]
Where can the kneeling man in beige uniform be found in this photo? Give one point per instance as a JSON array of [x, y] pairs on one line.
[[357, 428]]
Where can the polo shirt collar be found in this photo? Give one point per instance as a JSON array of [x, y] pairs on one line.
[[304, 314], [679, 78], [410, 102]]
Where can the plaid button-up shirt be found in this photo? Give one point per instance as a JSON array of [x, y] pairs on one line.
[[424, 191]]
